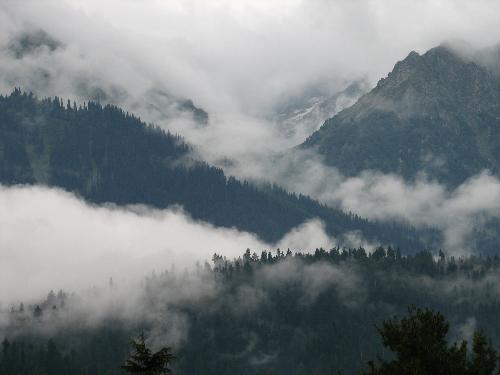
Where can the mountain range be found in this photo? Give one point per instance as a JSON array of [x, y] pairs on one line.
[[435, 115]]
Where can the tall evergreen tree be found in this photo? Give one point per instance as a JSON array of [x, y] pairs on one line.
[[420, 346], [143, 361]]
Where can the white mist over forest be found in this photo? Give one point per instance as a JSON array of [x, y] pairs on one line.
[[240, 61], [56, 240]]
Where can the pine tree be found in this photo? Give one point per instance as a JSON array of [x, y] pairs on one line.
[[144, 362], [420, 346]]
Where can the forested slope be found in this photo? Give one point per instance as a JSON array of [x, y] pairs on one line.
[[273, 313], [106, 155]]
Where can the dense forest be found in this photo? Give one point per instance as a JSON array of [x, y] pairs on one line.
[[106, 155], [267, 313]]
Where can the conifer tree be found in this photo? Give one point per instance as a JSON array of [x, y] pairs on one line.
[[420, 346], [143, 361]]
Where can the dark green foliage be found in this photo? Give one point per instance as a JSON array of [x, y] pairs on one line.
[[419, 343], [87, 351], [106, 155], [267, 318], [21, 358], [143, 361]]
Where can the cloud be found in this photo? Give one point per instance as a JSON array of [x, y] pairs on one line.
[[315, 279], [457, 213], [460, 214], [53, 240], [135, 265], [307, 236], [49, 239]]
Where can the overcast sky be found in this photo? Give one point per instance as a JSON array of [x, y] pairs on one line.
[[249, 54]]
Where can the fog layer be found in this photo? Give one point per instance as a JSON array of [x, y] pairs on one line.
[[49, 239]]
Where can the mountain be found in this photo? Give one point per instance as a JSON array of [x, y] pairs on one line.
[[436, 113], [302, 116], [106, 155], [35, 59]]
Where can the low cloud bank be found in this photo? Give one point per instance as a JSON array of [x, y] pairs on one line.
[[166, 303], [135, 265], [457, 213], [49, 239]]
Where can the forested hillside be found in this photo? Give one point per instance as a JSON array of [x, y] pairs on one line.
[[106, 155], [268, 313]]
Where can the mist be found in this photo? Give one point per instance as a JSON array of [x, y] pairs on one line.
[[424, 202], [135, 265], [241, 61], [55, 240]]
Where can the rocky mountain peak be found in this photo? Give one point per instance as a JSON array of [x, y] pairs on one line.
[[436, 113]]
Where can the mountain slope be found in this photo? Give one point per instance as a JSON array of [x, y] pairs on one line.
[[36, 59], [436, 113], [106, 155], [302, 116]]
